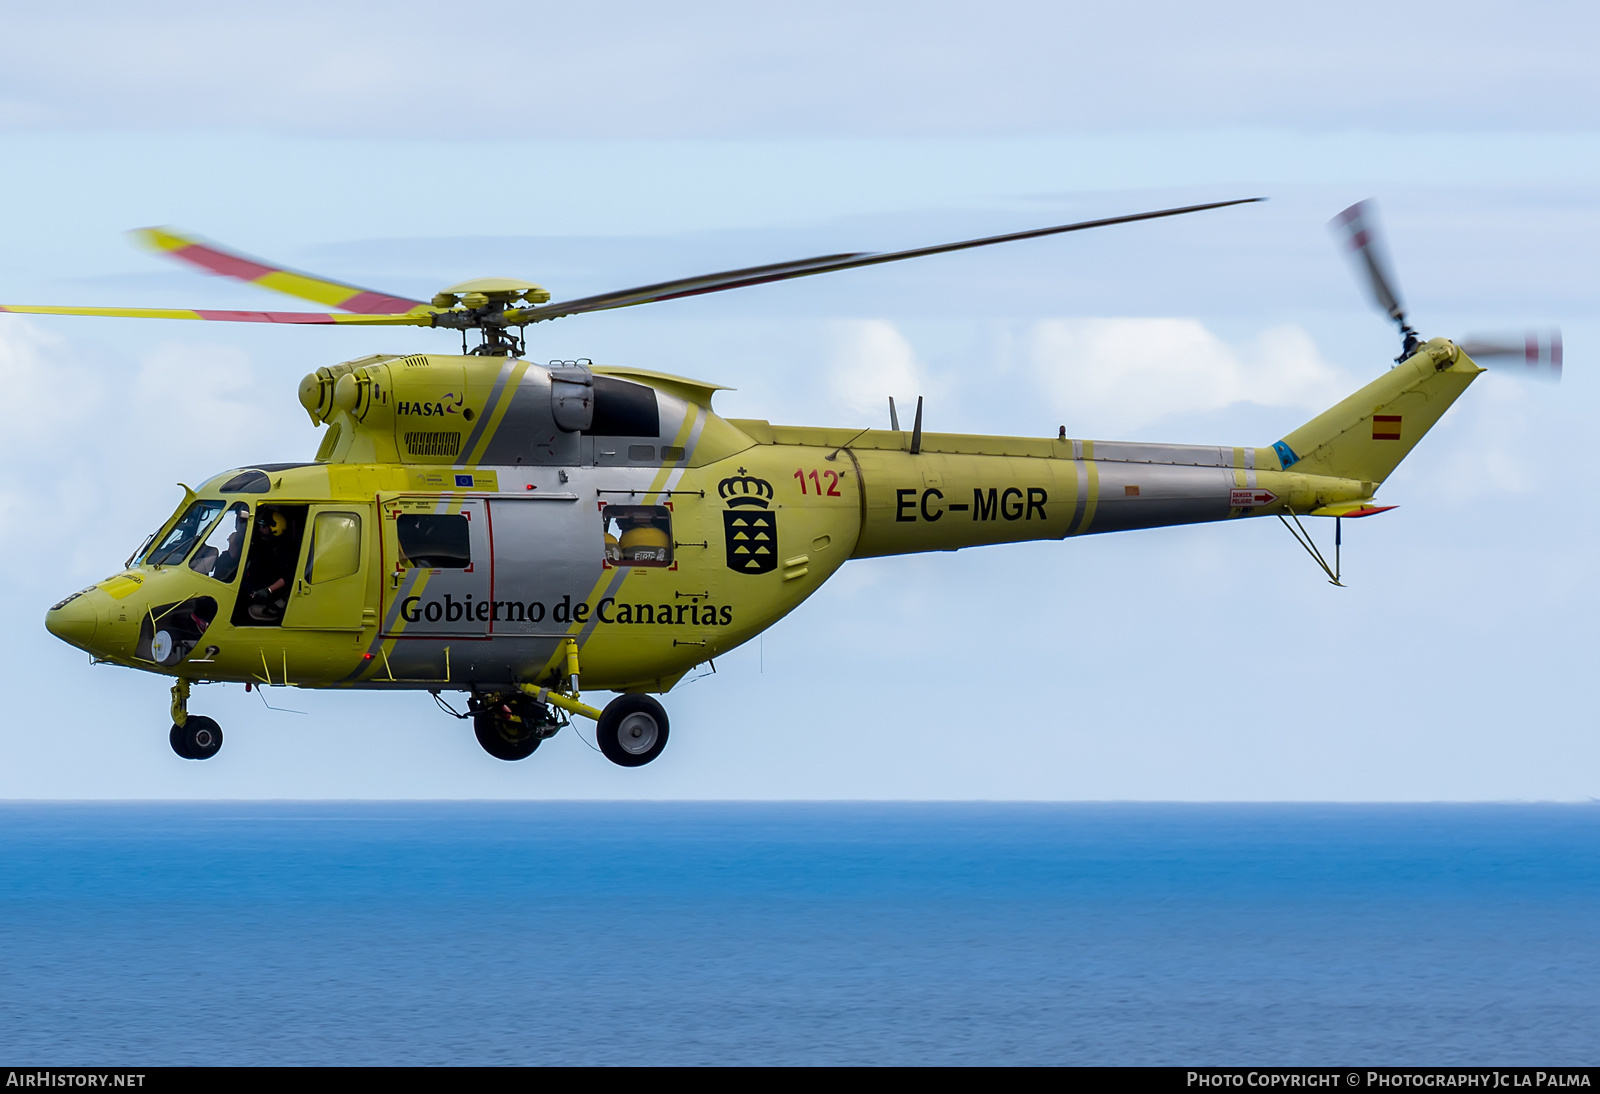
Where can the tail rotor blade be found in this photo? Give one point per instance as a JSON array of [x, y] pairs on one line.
[[1535, 354], [1358, 233]]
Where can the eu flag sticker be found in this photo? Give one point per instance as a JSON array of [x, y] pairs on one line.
[[463, 480]]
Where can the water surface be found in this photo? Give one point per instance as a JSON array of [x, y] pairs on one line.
[[798, 933]]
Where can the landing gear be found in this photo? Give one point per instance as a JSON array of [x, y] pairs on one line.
[[193, 736], [632, 730], [199, 738], [510, 727]]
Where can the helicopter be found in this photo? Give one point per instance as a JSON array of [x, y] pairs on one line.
[[480, 523]]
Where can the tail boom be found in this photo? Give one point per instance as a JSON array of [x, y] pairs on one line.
[[957, 490]]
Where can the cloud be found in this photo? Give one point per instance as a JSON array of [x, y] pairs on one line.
[[1111, 376], [92, 453], [35, 372], [870, 361]]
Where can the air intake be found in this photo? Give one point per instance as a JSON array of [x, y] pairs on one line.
[[433, 444]]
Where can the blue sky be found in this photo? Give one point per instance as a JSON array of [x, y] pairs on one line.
[[595, 153]]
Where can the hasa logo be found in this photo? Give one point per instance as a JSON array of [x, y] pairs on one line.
[[751, 526], [450, 404]]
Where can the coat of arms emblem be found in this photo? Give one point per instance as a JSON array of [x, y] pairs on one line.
[[751, 525]]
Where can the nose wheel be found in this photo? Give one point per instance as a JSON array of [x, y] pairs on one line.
[[193, 736], [632, 730], [199, 738]]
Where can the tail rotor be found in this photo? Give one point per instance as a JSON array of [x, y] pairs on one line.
[[1535, 354], [1362, 240]]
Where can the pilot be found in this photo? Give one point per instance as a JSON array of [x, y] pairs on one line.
[[272, 557], [228, 562], [223, 564]]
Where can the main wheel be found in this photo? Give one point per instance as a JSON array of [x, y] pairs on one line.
[[504, 739], [198, 738], [632, 730]]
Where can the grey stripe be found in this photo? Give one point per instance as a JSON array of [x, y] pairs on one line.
[[689, 446], [594, 620], [488, 408]]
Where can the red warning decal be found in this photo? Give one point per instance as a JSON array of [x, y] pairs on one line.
[[1249, 499]]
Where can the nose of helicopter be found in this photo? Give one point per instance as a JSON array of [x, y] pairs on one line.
[[73, 620]]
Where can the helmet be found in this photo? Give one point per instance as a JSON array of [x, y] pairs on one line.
[[272, 522]]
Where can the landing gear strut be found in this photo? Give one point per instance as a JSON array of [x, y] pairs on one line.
[[631, 730], [193, 736]]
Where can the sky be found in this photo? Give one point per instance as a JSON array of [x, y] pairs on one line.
[[405, 149]]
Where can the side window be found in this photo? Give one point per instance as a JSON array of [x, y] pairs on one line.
[[638, 535], [270, 564], [624, 409], [434, 541], [335, 547], [218, 557]]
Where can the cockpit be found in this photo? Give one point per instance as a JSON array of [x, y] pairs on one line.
[[211, 537]]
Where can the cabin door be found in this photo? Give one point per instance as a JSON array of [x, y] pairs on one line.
[[330, 584], [437, 566]]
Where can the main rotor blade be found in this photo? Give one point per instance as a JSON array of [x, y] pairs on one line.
[[302, 317], [783, 271], [213, 259], [1357, 229], [1536, 354]]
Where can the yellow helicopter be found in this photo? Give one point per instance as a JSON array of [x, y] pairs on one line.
[[481, 523]]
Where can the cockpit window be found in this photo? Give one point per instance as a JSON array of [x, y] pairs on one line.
[[138, 554], [219, 555], [175, 545], [246, 482]]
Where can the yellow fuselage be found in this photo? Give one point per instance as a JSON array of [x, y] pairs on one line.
[[452, 533]]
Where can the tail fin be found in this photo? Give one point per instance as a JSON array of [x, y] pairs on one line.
[[1367, 435]]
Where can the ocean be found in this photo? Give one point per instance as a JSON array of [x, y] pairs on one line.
[[810, 933]]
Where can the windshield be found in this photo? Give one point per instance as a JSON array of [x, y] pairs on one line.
[[176, 543]]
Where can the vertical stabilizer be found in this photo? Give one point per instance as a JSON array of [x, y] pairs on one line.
[[1367, 435]]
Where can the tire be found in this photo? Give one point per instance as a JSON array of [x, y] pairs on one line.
[[504, 740], [175, 739], [200, 736], [632, 730]]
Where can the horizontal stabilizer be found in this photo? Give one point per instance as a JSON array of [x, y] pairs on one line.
[[1363, 508]]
